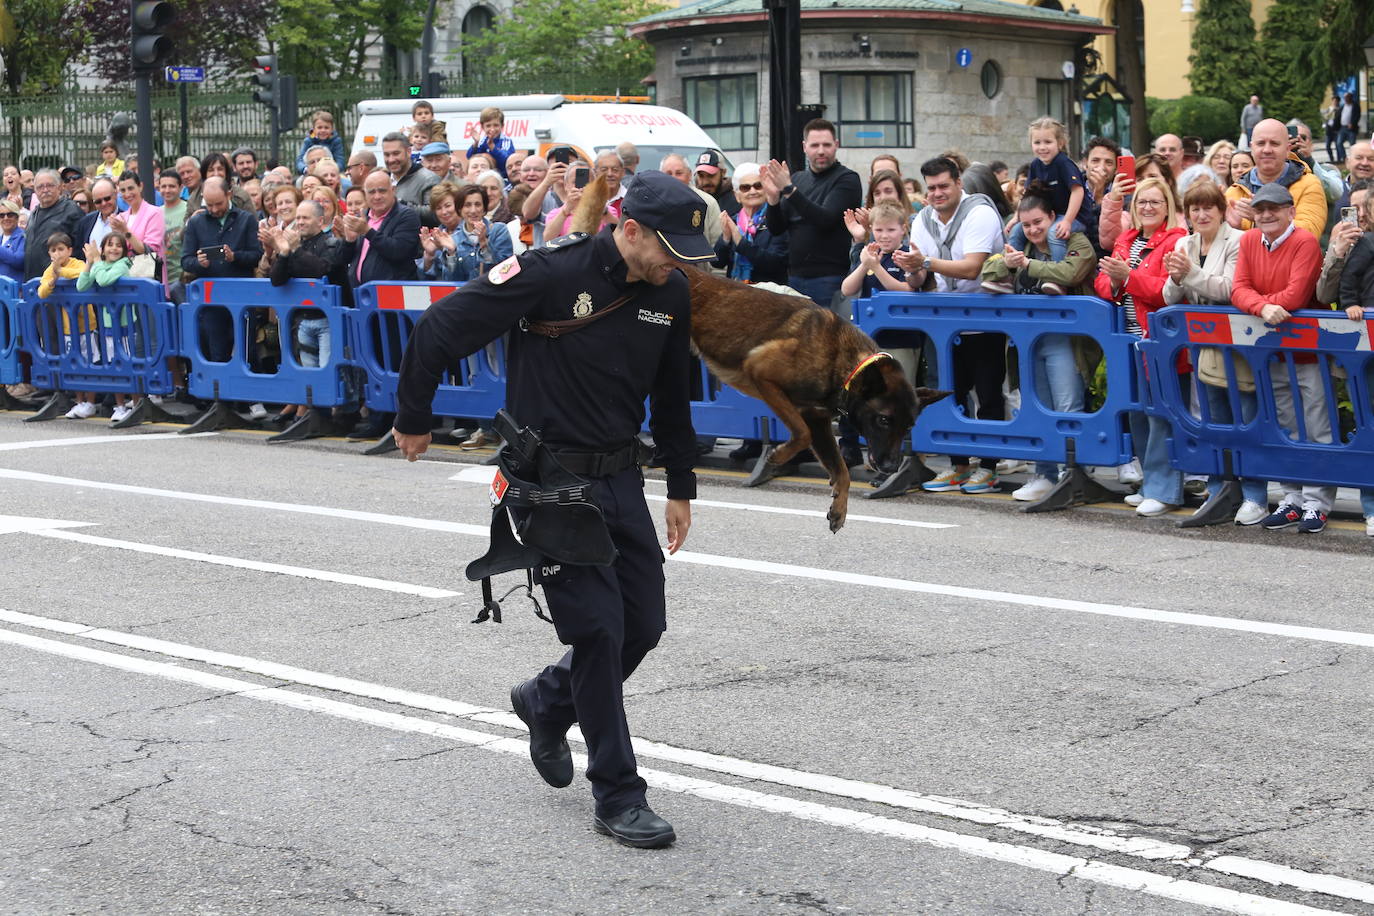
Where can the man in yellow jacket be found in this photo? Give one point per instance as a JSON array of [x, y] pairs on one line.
[[1275, 163]]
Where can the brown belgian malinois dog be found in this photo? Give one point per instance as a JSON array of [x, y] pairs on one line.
[[805, 362]]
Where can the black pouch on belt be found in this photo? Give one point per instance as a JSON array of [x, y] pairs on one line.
[[541, 511]]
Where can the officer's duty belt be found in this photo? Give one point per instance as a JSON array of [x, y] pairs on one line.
[[602, 464]]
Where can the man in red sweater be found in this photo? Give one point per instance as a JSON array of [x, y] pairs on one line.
[[1276, 274]]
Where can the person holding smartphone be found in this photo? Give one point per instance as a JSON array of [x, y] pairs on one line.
[[1277, 162], [219, 241], [560, 219]]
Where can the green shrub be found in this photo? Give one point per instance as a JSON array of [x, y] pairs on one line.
[[1195, 116]]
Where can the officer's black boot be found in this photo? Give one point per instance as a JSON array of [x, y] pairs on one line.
[[548, 746], [638, 827]]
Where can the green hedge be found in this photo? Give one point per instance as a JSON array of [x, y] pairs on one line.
[[1194, 116]]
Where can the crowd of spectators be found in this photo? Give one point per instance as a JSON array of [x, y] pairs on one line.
[[1260, 224]]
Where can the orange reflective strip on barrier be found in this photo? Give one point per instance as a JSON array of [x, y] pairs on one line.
[[1301, 332]]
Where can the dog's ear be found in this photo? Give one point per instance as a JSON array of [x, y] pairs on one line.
[[927, 396]]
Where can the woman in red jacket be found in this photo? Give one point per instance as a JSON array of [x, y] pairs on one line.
[[1134, 277]]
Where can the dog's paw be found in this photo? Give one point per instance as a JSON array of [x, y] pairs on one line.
[[836, 518]]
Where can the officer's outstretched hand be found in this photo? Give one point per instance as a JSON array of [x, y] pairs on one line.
[[678, 515], [411, 446]]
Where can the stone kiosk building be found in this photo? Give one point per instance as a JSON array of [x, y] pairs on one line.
[[905, 77]]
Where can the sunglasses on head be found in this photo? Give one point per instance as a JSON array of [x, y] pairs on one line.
[[756, 186]]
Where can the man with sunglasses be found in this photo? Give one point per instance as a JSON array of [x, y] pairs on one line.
[[73, 180], [95, 225], [51, 213]]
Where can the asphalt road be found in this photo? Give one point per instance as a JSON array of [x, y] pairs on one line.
[[240, 678]]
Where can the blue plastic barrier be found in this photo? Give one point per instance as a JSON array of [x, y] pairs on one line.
[[1036, 432], [473, 388], [1261, 448], [235, 379], [724, 412], [111, 339], [11, 305]]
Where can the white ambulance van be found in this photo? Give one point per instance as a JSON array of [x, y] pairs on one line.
[[588, 124]]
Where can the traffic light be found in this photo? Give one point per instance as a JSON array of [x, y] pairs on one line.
[[265, 75], [288, 109], [150, 45]]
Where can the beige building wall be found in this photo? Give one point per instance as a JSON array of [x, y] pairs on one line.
[[1168, 40]]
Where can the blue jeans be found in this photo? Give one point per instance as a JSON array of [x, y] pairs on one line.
[[1059, 248], [820, 290], [1057, 384], [313, 339], [1219, 408], [1162, 482], [1344, 137]]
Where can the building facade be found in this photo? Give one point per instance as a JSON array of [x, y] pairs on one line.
[[910, 78]]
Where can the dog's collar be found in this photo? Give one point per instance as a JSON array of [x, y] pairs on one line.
[[868, 361]]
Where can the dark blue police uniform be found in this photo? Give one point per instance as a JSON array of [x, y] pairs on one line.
[[584, 392]]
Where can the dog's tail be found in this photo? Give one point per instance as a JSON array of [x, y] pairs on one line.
[[587, 216]]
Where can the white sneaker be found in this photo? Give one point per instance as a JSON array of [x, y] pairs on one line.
[[1152, 507], [119, 414], [1134, 499], [1010, 466], [1130, 472], [1369, 525], [155, 398], [82, 411], [1252, 513], [1036, 488], [257, 412]]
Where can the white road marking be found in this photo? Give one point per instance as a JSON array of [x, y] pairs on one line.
[[377, 518], [483, 474], [97, 440], [839, 787], [19, 524], [386, 585], [1057, 864], [1207, 621]]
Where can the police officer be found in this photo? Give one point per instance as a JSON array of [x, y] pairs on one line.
[[584, 390]]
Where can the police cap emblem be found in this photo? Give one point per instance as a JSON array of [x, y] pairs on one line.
[[696, 219], [582, 307]]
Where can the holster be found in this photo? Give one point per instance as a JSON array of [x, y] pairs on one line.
[[541, 512]]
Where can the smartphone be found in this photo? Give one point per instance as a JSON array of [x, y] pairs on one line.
[[581, 177], [1125, 165], [1292, 130], [563, 154], [1348, 215], [213, 252]]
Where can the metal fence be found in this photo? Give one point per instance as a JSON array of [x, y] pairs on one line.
[[66, 127]]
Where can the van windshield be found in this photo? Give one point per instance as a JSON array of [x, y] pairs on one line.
[[651, 156]]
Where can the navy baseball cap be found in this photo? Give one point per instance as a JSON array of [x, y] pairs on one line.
[[675, 213]]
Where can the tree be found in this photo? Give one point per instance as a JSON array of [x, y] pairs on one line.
[[1224, 51], [39, 38], [1339, 49], [587, 41], [1287, 43], [206, 33], [329, 40], [1130, 70]]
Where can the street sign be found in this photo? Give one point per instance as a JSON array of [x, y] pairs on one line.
[[963, 58], [185, 74]]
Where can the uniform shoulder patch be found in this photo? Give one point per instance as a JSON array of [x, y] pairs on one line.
[[563, 241], [504, 271]]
